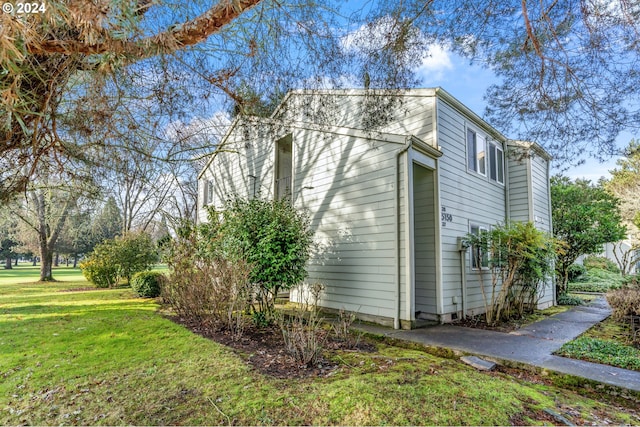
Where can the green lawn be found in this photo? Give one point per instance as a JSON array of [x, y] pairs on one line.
[[607, 342], [105, 357]]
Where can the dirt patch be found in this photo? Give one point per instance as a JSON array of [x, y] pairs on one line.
[[531, 415], [523, 374], [264, 350]]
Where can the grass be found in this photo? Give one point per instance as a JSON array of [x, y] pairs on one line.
[[605, 343], [103, 357]]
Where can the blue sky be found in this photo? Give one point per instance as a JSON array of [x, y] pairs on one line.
[[468, 83]]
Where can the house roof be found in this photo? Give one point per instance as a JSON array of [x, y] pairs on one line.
[[533, 146], [423, 92]]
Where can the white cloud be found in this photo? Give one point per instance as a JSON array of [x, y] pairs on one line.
[[435, 63]]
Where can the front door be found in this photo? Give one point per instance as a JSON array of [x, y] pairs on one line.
[[424, 242]]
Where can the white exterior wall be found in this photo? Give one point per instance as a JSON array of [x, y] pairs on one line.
[[246, 163], [347, 184], [542, 214], [346, 179], [353, 214], [470, 198], [529, 198], [519, 184]]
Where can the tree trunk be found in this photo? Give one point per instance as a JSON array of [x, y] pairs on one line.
[[56, 261], [75, 261], [46, 261], [16, 262], [46, 273], [34, 260], [7, 265]]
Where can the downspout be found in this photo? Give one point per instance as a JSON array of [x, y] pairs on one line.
[[553, 274], [396, 318], [463, 245], [507, 199]]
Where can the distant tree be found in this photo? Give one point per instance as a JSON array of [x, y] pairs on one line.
[[107, 223], [140, 185], [8, 239], [585, 216], [7, 246], [45, 212], [77, 238], [50, 200], [625, 185]]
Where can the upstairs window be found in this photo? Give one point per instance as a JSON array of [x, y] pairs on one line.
[[284, 168], [476, 152], [208, 193], [496, 163]]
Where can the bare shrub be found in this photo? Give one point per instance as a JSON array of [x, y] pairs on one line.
[[302, 330], [624, 302], [625, 305], [342, 328], [203, 287]]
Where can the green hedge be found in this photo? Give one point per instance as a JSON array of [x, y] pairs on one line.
[[147, 284]]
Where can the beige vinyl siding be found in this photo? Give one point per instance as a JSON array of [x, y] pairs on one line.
[[347, 184], [345, 177], [519, 194], [540, 192], [232, 168], [410, 114], [351, 197], [470, 198], [406, 311], [542, 212], [529, 198]]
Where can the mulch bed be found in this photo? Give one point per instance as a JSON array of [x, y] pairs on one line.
[[479, 322], [264, 350]]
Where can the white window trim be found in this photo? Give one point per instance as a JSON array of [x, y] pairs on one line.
[[479, 136], [480, 228], [209, 192], [498, 147]]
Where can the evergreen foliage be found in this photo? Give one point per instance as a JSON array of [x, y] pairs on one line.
[[585, 216], [147, 284]]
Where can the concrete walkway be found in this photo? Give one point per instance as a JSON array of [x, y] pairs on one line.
[[532, 345]]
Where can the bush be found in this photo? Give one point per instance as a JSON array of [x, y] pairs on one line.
[[624, 302], [625, 305], [569, 300], [576, 270], [119, 258], [273, 238], [520, 260], [203, 286], [135, 252], [596, 280], [302, 331], [602, 263], [100, 271], [147, 284]]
